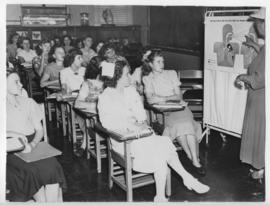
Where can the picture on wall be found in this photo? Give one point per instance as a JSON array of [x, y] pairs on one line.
[[36, 35]]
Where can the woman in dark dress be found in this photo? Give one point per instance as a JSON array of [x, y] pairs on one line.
[[253, 135], [41, 180]]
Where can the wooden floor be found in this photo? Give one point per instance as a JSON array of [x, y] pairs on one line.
[[226, 176]]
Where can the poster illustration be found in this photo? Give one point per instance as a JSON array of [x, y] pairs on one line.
[[225, 58]]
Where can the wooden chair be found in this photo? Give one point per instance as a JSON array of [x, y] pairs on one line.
[[120, 166], [95, 144], [192, 89]]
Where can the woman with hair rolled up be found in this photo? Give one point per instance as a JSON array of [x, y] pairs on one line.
[[120, 109], [42, 180], [162, 86], [41, 60]]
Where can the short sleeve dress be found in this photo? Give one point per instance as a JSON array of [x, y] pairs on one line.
[[25, 179], [119, 112], [178, 123]]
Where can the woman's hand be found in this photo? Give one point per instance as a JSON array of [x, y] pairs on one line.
[[249, 42], [27, 148], [239, 81]]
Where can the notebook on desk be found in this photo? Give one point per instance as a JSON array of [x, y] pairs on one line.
[[42, 151], [168, 105]]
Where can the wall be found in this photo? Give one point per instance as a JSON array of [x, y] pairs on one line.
[[178, 61], [140, 17]]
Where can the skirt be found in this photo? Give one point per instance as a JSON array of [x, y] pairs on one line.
[[181, 123], [150, 153], [24, 179]]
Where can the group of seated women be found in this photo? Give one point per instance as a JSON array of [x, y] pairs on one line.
[[105, 85]]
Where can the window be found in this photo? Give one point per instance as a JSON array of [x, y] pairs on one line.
[[122, 15]]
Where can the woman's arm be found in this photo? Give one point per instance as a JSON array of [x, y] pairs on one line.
[[45, 80]]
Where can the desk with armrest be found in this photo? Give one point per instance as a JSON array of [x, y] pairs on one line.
[[120, 166], [95, 145]]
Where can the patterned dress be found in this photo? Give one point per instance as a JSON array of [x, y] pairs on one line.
[[178, 123]]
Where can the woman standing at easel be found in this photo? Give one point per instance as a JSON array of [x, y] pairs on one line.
[[252, 149]]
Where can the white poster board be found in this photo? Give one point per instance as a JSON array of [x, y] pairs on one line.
[[225, 58]]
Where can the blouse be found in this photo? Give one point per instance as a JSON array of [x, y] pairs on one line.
[[53, 71], [162, 84], [71, 79], [120, 112], [28, 56], [87, 55], [24, 118], [90, 90]]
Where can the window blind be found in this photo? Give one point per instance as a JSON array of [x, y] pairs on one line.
[[122, 15]]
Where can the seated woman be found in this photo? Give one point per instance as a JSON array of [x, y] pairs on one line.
[[88, 96], [12, 46], [87, 51], [163, 86], [41, 60], [52, 70], [120, 109], [108, 54], [66, 43], [72, 76], [26, 54], [42, 180]]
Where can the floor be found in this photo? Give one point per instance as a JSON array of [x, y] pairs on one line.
[[226, 175]]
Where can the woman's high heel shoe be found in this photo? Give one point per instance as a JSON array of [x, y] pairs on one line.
[[193, 184]]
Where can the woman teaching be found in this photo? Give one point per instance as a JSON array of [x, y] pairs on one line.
[[252, 149]]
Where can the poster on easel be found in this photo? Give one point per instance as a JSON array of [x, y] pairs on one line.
[[225, 58]]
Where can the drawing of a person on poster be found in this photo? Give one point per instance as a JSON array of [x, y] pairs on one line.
[[226, 50]]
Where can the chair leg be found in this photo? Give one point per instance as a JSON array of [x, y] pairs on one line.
[[63, 116], [128, 170], [49, 106], [168, 183], [110, 164], [98, 153]]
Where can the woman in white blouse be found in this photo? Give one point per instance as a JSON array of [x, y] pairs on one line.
[[26, 55], [42, 180], [72, 76], [120, 109]]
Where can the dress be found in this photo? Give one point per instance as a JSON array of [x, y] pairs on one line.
[[25, 179], [253, 136], [178, 123], [119, 112]]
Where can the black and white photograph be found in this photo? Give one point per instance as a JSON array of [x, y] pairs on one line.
[[135, 102]]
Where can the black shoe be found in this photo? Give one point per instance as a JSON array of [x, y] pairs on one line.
[[199, 170], [79, 152]]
